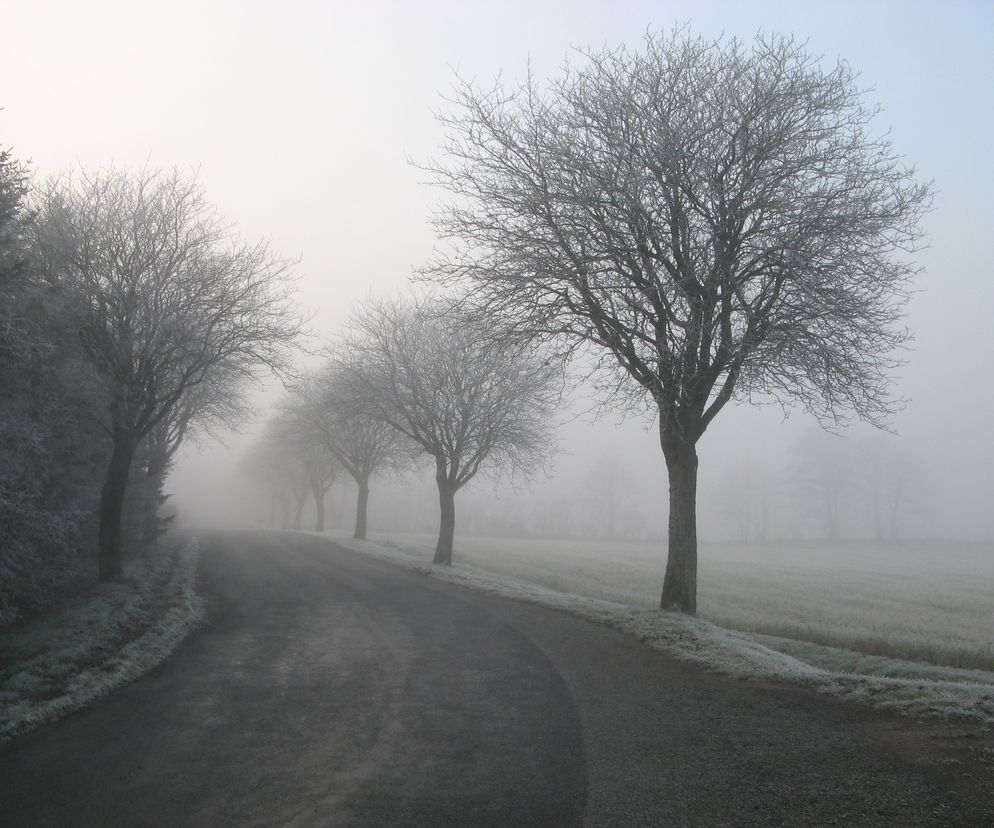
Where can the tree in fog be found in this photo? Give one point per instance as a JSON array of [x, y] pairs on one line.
[[743, 495], [708, 221], [894, 488], [821, 477], [610, 495], [291, 468], [311, 468], [308, 428], [165, 295], [204, 409], [364, 445], [470, 402]]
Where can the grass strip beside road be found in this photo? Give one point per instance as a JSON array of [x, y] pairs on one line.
[[885, 684], [110, 635]]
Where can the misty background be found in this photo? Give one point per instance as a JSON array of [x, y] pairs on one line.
[[302, 120]]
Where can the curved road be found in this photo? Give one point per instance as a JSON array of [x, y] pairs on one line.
[[330, 689]]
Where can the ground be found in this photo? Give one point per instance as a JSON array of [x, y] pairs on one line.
[[326, 688]]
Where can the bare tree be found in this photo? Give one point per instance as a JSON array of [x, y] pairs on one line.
[[166, 297], [610, 495], [895, 488], [708, 221], [821, 475], [364, 445], [303, 429], [279, 462], [742, 495], [206, 409], [468, 401]]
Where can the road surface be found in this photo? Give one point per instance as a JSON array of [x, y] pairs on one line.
[[330, 689]]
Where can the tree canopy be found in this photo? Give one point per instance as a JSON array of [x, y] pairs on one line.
[[168, 301], [709, 220]]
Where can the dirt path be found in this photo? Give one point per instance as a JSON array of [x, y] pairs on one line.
[[330, 689]]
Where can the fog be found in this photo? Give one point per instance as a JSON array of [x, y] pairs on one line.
[[303, 118]]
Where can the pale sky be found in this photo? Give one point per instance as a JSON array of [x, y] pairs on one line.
[[301, 118]]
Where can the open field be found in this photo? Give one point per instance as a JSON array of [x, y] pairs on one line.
[[931, 603]]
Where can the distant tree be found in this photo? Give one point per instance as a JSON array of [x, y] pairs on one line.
[[743, 496], [364, 445], [166, 296], [707, 221], [291, 469], [470, 402], [265, 465], [204, 409], [821, 475], [894, 487], [611, 495], [301, 435]]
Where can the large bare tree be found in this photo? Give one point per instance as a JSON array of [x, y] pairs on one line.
[[710, 220], [470, 402], [167, 299]]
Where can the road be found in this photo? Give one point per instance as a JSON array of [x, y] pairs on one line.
[[330, 689]]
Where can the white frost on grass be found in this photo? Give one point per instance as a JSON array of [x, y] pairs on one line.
[[924, 690], [109, 637]]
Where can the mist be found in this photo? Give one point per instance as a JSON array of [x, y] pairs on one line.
[[303, 125], [521, 413]]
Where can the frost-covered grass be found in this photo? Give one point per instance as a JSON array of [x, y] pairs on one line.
[[602, 589], [107, 637], [913, 602]]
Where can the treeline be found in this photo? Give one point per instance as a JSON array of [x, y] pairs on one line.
[[131, 317]]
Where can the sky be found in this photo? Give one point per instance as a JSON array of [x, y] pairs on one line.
[[303, 119]]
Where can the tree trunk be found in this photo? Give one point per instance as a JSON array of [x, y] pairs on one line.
[[112, 504], [360, 509], [680, 583], [447, 523]]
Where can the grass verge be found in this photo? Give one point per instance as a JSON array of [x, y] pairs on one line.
[[112, 634], [887, 684]]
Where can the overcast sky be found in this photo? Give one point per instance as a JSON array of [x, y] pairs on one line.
[[302, 118]]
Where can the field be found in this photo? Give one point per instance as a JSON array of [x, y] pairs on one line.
[[930, 603]]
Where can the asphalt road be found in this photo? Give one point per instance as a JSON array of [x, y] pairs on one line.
[[329, 689]]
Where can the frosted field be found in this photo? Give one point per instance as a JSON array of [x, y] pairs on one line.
[[886, 683], [928, 603]]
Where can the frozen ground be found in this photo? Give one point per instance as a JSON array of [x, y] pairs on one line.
[[107, 637], [913, 602], [616, 589]]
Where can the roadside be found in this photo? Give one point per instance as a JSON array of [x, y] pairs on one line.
[[944, 726], [893, 686], [107, 636], [329, 688]]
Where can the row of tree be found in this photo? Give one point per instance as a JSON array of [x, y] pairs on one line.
[[702, 221], [132, 316], [409, 378]]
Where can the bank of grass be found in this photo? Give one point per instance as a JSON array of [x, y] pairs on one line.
[[106, 637], [931, 603]]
